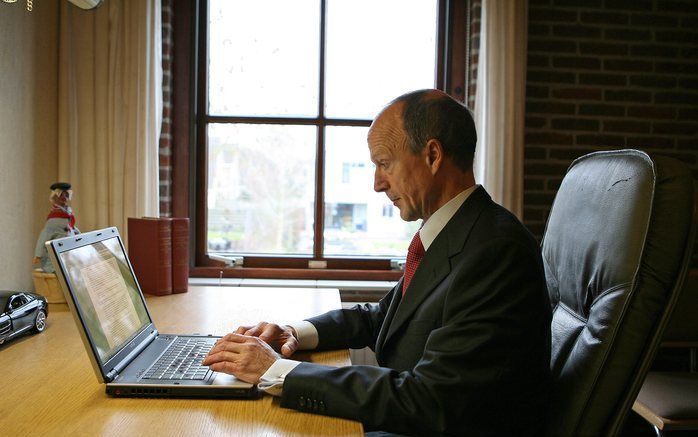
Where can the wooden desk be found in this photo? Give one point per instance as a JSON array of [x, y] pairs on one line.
[[47, 386]]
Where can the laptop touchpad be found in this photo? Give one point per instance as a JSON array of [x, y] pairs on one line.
[[225, 379]]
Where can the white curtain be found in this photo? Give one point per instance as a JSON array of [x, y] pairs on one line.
[[500, 101], [110, 110]]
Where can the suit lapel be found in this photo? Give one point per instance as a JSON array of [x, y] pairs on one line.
[[436, 264]]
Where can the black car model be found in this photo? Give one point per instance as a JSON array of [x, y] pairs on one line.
[[21, 311]]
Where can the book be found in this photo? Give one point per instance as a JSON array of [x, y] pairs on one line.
[[150, 252], [180, 254]]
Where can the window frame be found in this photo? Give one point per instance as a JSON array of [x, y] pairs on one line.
[[189, 159]]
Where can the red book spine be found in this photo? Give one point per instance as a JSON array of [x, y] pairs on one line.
[[180, 254], [150, 252]]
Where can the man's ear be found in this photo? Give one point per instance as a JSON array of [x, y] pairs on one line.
[[434, 154]]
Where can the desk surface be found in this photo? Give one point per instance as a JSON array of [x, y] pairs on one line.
[[47, 386]]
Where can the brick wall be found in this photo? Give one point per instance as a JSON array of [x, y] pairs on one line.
[[165, 155], [607, 74]]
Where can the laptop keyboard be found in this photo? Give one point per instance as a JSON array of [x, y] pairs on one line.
[[182, 360]]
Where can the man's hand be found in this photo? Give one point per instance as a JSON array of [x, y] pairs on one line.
[[281, 338], [245, 357]]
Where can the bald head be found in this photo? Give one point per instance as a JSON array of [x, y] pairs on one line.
[[433, 114], [387, 128]]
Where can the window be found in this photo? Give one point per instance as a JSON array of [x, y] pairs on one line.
[[17, 302], [387, 210], [287, 90], [353, 170]]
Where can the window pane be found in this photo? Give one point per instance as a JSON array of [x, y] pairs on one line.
[[358, 221], [261, 188], [264, 57], [377, 50]]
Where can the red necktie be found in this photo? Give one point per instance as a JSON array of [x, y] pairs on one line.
[[415, 253]]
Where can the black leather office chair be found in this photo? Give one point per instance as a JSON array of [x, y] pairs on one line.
[[616, 249]]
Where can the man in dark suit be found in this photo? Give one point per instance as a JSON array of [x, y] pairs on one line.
[[463, 340]]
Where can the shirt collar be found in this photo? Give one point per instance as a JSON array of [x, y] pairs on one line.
[[435, 224]]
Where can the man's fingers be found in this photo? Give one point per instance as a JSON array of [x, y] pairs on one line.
[[219, 357], [225, 367], [235, 337], [243, 329], [289, 347], [255, 330], [269, 333], [224, 347], [220, 367], [230, 342]]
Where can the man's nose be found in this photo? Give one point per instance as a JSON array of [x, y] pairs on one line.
[[379, 182]]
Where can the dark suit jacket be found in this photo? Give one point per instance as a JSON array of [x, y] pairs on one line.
[[465, 352]]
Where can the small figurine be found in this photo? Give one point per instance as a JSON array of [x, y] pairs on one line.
[[59, 223]]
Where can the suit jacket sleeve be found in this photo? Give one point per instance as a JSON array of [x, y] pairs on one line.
[[478, 369], [353, 328]]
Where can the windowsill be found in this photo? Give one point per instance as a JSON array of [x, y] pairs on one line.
[[295, 274], [350, 290]]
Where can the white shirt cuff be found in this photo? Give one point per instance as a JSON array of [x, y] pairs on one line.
[[307, 335], [272, 381]]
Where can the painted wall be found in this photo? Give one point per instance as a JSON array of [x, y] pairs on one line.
[[28, 132]]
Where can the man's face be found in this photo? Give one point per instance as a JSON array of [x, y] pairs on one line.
[[402, 175]]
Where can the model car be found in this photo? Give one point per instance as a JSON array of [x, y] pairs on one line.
[[20, 312]]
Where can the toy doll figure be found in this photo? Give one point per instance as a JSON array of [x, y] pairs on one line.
[[59, 223]]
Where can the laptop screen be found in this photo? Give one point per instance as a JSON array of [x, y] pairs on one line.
[[106, 293]]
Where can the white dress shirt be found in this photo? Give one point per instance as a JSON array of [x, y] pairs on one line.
[[273, 379]]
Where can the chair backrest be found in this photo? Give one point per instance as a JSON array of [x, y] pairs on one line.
[[616, 249]]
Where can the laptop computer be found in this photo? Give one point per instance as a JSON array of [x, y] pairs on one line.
[[126, 350]]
